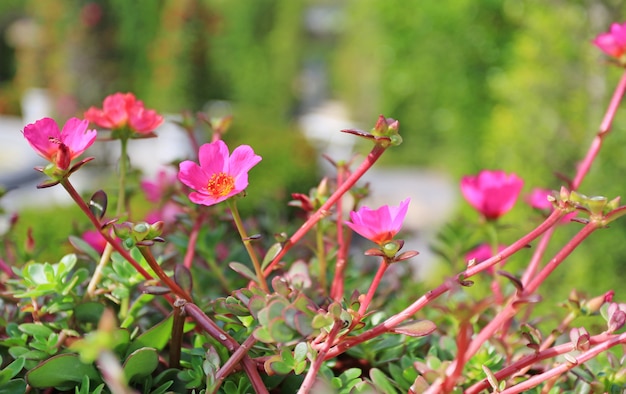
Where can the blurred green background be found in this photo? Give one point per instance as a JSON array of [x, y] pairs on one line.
[[501, 84]]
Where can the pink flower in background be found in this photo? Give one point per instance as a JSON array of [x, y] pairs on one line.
[[219, 176], [380, 225], [95, 240], [538, 199], [154, 190], [59, 146], [613, 43], [120, 110], [492, 193], [483, 252]]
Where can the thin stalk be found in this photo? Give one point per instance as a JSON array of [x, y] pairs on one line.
[[193, 239], [323, 211], [431, 295], [227, 341], [118, 248], [147, 254], [176, 341], [373, 287], [232, 204], [313, 371], [233, 361], [565, 366], [513, 305], [121, 203], [605, 127], [343, 241], [321, 255], [533, 358]]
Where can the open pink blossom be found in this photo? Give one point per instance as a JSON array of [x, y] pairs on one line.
[[613, 43], [492, 193], [59, 146], [219, 176], [121, 110], [380, 225]]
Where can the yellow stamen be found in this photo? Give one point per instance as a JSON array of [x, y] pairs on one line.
[[220, 184]]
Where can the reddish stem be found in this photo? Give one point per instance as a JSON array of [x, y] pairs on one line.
[[566, 366], [309, 379], [376, 152], [233, 361], [193, 239], [228, 342], [147, 254], [424, 300], [372, 289], [119, 248], [336, 290], [605, 127], [512, 306]]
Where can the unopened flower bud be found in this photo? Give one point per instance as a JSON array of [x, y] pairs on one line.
[[140, 231], [123, 230], [594, 304], [617, 318], [391, 248], [385, 127], [156, 229]]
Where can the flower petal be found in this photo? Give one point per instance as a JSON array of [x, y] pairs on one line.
[[192, 175], [213, 157], [39, 135]]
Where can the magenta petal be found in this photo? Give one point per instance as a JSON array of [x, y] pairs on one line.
[[192, 175], [76, 136], [242, 160], [213, 157], [38, 135]]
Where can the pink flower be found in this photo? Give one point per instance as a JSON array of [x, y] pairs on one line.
[[155, 190], [380, 225], [538, 199], [95, 240], [120, 110], [614, 42], [483, 252], [492, 193], [59, 147], [218, 176]]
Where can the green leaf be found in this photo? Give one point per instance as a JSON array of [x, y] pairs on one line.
[[140, 363], [415, 328], [382, 382], [156, 337], [243, 271], [11, 370], [33, 329], [271, 254], [60, 370], [84, 247], [14, 386]]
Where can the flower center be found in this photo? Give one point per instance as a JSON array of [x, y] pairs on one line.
[[220, 184]]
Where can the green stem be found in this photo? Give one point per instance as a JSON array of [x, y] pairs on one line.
[[232, 204], [121, 202]]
